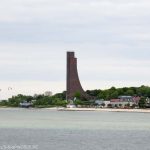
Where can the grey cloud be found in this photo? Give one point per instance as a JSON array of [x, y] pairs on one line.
[[29, 11], [110, 37]]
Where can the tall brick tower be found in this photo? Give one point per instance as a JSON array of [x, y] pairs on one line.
[[73, 82]]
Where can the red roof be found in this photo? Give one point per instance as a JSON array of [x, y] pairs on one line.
[[115, 100]]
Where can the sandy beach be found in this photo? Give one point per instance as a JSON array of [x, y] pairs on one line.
[[86, 109], [105, 109]]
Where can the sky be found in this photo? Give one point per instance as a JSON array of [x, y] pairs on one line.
[[110, 38]]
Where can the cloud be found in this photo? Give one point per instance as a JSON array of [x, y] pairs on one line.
[[29, 88], [111, 39], [30, 11]]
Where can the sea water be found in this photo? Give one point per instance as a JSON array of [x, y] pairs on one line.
[[43, 129]]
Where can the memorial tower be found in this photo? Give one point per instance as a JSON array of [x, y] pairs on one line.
[[73, 82]]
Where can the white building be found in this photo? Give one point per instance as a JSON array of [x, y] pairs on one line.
[[124, 101], [102, 103]]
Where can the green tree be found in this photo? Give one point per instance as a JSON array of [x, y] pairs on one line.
[[4, 103], [129, 92], [77, 95], [16, 100], [114, 95], [103, 104], [142, 102], [120, 105]]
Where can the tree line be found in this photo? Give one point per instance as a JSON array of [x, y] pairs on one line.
[[59, 99], [39, 101], [113, 93]]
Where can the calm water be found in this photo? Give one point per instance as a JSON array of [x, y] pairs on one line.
[[61, 130]]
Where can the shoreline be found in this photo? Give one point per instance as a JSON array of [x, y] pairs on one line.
[[86, 109], [105, 110]]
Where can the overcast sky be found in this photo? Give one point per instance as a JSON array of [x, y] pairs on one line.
[[111, 39]]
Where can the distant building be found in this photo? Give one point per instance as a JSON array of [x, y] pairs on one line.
[[148, 102], [125, 98], [123, 101], [26, 104], [71, 106], [106, 103], [102, 103], [48, 93]]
